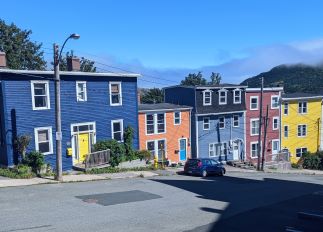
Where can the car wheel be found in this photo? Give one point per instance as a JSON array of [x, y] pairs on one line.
[[222, 172], [204, 173]]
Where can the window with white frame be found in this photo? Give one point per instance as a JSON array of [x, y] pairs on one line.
[[254, 149], [286, 131], [302, 107], [235, 120], [177, 118], [286, 108], [157, 147], [254, 103], [254, 124], [300, 151], [44, 140], [207, 98], [222, 97], [275, 146], [151, 148], [155, 123], [115, 93], [117, 130], [237, 96], [206, 123], [215, 149], [274, 102], [301, 130], [221, 122], [275, 123], [81, 94], [40, 95]]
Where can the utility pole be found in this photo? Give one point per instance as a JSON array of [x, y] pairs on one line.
[[59, 170], [260, 123], [264, 143]]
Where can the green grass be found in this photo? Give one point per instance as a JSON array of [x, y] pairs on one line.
[[20, 172], [117, 170]]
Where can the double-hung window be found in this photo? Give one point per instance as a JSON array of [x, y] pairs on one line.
[[43, 140], [155, 123], [254, 149], [275, 146], [81, 94], [222, 97], [215, 149], [206, 123], [177, 118], [300, 151], [275, 123], [254, 128], [286, 108], [237, 96], [301, 130], [117, 130], [254, 103], [221, 122], [274, 102], [302, 107], [207, 97], [235, 120], [157, 147], [286, 131], [115, 93], [40, 95]]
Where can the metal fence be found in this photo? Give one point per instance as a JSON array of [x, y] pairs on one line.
[[97, 158]]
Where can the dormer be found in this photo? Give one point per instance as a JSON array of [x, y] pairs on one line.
[[223, 96], [237, 96], [207, 97]]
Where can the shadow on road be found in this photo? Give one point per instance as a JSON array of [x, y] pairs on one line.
[[255, 205]]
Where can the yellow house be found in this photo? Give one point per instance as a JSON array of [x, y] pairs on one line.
[[301, 119]]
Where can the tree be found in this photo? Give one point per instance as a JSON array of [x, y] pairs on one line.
[[215, 78], [128, 141], [154, 95], [21, 53], [21, 143], [194, 79], [86, 65]]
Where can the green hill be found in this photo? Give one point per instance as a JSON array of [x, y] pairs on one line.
[[294, 78]]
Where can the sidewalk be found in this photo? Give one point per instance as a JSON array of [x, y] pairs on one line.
[[75, 178]]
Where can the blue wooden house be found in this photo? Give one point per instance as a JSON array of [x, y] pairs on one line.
[[94, 106], [217, 119]]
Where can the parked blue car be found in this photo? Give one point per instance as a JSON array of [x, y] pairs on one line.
[[203, 167]]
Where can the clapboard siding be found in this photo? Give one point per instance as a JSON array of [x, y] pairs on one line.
[[96, 109]]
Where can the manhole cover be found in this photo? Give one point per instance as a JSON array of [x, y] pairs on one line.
[[115, 198]]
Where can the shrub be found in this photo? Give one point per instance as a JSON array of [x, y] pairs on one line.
[[312, 162], [19, 172], [295, 165], [21, 143], [144, 155], [117, 150], [130, 154], [35, 160]]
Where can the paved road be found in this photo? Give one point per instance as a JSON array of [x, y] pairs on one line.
[[236, 202]]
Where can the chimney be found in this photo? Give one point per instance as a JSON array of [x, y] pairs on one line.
[[3, 61], [73, 63]]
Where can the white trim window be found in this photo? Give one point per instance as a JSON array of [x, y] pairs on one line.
[[275, 123], [117, 130], [300, 151], [215, 149], [40, 95], [275, 146], [254, 103], [157, 147], [115, 93], [254, 149], [44, 140], [207, 97], [81, 93], [302, 107], [236, 120], [221, 122], [286, 131], [177, 118], [301, 130], [222, 97], [155, 123], [285, 108], [275, 102], [206, 123], [254, 127], [236, 96]]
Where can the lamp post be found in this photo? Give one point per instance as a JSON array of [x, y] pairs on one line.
[[57, 58]]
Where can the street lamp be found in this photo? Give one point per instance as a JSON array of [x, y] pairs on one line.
[[57, 59]]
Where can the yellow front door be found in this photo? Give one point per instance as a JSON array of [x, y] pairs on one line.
[[83, 142]]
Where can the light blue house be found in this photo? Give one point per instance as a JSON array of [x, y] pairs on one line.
[[94, 106], [217, 121]]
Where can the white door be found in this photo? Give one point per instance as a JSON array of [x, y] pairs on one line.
[[235, 146]]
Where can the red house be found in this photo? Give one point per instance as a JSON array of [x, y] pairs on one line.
[[271, 97]]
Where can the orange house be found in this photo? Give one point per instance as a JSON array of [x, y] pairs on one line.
[[164, 130]]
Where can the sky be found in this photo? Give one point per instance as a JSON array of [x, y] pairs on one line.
[[164, 40]]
